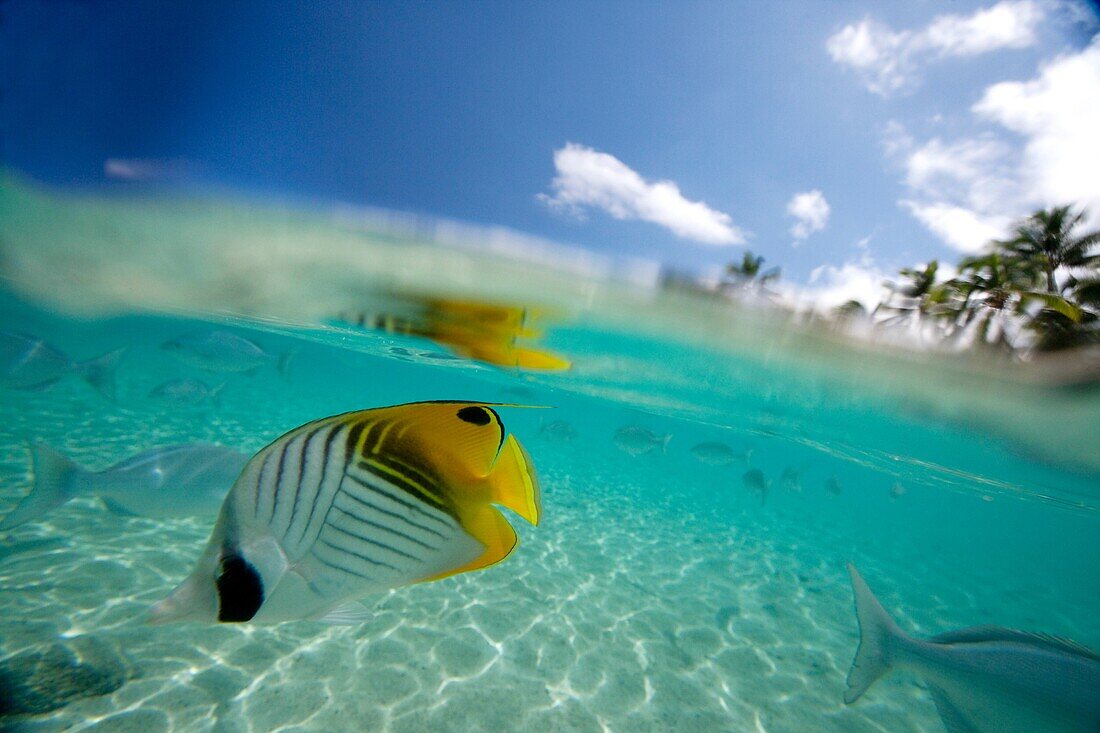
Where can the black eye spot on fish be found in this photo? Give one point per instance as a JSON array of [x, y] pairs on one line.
[[240, 590], [475, 415]]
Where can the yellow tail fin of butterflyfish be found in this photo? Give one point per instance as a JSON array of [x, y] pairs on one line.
[[489, 527], [513, 482]]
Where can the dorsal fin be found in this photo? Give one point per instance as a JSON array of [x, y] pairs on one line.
[[987, 634]]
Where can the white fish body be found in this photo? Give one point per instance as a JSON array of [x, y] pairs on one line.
[[223, 351], [188, 392], [176, 481], [985, 679], [29, 363], [355, 504]]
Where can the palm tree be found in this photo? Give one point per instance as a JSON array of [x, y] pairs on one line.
[[1073, 320], [918, 296], [1048, 241], [984, 295], [748, 274]]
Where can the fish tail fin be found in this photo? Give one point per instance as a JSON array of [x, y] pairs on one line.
[[283, 363], [513, 483], [664, 443], [54, 483], [100, 372], [879, 639]]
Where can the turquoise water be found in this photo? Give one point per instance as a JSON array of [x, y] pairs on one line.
[[658, 592]]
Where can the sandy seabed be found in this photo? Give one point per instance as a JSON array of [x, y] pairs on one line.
[[632, 607], [650, 624]]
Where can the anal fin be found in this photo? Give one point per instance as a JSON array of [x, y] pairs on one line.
[[953, 720], [347, 614]]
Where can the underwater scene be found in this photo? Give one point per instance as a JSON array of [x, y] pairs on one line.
[[554, 502], [549, 367]]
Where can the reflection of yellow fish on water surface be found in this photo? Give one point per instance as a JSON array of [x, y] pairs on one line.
[[360, 503], [486, 332]]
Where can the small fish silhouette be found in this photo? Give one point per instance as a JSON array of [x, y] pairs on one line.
[[638, 441], [755, 480], [720, 454]]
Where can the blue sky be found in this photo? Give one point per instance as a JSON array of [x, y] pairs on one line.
[[562, 119]]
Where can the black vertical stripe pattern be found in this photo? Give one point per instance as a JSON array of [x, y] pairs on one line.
[[260, 483], [325, 460], [353, 440], [278, 480], [303, 465]]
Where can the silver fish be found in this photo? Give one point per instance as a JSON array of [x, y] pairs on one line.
[[984, 679], [755, 480], [181, 480], [29, 363], [188, 392], [638, 441], [224, 351], [791, 479], [720, 454], [558, 430]]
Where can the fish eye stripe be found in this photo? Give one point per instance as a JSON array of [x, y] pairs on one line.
[[395, 515], [381, 527], [475, 415]]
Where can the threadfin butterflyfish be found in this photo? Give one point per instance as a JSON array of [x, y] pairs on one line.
[[360, 503], [488, 332]]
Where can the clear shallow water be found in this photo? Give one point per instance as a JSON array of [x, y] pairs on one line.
[[658, 592]]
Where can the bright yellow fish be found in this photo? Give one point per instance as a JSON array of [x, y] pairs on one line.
[[359, 503]]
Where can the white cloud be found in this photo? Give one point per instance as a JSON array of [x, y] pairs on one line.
[[830, 286], [969, 191], [811, 212], [589, 178], [1005, 25], [960, 228], [887, 61], [144, 169], [880, 56], [1058, 114], [131, 170]]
